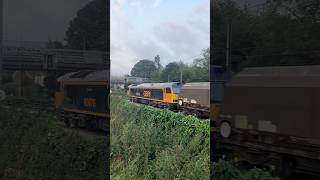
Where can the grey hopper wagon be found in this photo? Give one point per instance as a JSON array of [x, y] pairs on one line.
[[275, 110], [194, 98]]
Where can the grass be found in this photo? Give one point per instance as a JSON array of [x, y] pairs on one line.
[[146, 143], [34, 147], [224, 170], [150, 143]]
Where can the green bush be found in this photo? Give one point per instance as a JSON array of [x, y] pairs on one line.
[[34, 147], [150, 143], [227, 171]]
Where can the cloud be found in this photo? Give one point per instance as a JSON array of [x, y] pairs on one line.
[[177, 37], [173, 37], [202, 9], [156, 3], [116, 7]]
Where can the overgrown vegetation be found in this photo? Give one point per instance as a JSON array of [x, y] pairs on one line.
[[269, 33], [149, 143], [88, 30], [227, 171], [34, 147]]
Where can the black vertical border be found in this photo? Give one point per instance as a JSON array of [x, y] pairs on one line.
[[212, 122], [109, 75]]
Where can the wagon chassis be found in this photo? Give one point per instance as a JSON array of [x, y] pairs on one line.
[[292, 155], [195, 109]]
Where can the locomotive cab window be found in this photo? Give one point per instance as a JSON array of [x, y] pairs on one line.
[[168, 90]]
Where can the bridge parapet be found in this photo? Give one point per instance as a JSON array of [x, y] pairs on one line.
[[43, 59]]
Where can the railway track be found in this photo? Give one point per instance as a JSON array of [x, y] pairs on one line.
[[176, 111]]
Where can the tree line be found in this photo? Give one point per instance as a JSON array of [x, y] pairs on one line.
[[273, 33], [174, 71], [88, 30]]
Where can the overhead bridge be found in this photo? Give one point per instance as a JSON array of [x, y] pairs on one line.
[[43, 59]]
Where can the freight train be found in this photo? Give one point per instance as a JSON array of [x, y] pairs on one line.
[[191, 98], [83, 99], [270, 117]]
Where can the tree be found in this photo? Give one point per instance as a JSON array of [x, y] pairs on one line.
[[245, 36], [171, 72], [88, 30], [144, 68], [200, 70], [307, 10], [283, 32], [157, 62], [204, 61]]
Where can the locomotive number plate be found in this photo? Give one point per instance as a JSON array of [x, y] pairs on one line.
[[89, 102], [147, 93]]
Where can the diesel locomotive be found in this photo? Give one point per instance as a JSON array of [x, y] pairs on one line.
[[270, 117], [162, 95], [190, 98], [83, 99]]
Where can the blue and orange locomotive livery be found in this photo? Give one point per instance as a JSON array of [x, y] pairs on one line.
[[162, 95], [83, 99]]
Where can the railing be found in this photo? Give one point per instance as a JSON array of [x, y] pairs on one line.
[[39, 58]]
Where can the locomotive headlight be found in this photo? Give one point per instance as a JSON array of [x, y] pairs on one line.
[[180, 102], [225, 129]]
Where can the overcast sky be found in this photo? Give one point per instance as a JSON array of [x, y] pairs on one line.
[[141, 29], [39, 20]]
